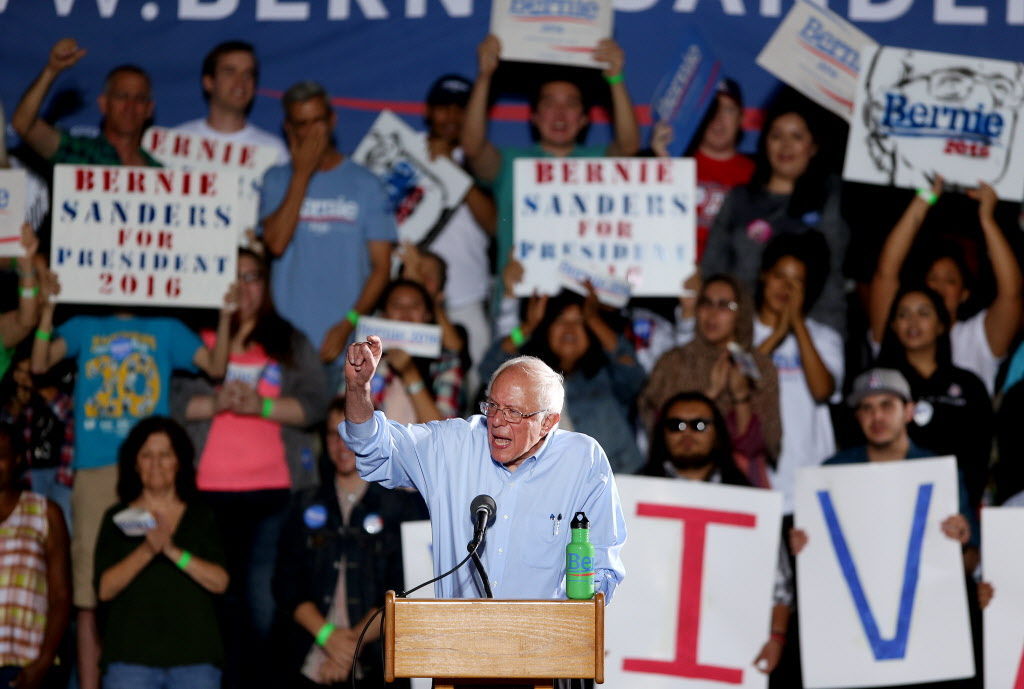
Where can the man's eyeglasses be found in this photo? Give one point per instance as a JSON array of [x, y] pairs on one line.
[[511, 415], [250, 277], [676, 425], [719, 304]]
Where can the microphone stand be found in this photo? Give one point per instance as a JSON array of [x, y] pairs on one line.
[[482, 572]]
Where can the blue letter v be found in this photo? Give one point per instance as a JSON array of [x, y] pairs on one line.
[[895, 647]]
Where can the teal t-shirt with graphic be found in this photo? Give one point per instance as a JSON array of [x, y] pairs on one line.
[[124, 374]]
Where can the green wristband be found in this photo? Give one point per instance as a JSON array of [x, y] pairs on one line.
[[615, 79], [268, 407], [29, 292], [517, 336], [928, 196], [352, 317], [186, 557], [324, 634], [43, 335]]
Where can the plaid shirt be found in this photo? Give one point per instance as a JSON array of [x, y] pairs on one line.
[[89, 150], [23, 606]]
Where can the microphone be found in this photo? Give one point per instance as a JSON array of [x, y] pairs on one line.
[[482, 511]]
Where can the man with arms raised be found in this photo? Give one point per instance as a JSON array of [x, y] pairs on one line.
[[539, 477], [126, 105], [559, 113]]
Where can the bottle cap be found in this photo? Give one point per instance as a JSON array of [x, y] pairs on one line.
[[580, 521]]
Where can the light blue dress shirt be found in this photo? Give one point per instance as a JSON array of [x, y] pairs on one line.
[[449, 463]]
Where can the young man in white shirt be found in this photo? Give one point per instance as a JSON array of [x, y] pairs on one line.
[[230, 74]]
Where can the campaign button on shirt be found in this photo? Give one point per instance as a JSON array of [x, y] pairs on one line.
[[373, 523], [315, 516], [923, 413]]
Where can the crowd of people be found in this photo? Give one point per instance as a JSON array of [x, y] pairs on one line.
[[827, 323]]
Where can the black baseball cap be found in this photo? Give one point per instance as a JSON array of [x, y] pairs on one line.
[[451, 89]]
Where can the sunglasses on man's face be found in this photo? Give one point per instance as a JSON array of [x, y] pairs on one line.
[[675, 424]]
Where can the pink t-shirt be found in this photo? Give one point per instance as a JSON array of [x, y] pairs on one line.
[[245, 452]]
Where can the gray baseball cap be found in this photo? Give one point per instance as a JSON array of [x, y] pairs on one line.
[[876, 380]]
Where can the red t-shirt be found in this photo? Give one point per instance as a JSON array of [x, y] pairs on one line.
[[715, 178], [244, 453]]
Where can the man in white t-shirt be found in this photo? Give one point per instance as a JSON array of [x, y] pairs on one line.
[[230, 72], [464, 240]]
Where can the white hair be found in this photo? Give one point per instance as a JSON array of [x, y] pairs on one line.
[[549, 381]]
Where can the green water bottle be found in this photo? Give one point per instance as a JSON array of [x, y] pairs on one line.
[[579, 560]]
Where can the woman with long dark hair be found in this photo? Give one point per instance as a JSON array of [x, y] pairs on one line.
[[255, 447], [602, 377], [411, 389], [157, 582], [953, 413], [790, 192], [807, 354], [719, 363], [980, 341]]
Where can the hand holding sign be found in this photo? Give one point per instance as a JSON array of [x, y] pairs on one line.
[[612, 54], [488, 55], [159, 537], [30, 245], [662, 136], [986, 197]]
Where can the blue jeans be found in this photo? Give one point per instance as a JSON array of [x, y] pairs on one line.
[[131, 676], [44, 482]]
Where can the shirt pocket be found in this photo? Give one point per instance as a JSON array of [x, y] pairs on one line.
[[542, 539]]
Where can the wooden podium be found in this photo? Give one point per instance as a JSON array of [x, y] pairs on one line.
[[472, 641]]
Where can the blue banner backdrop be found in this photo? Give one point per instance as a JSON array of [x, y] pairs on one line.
[[372, 54]]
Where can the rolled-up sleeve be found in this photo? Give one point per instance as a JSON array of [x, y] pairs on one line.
[[389, 453]]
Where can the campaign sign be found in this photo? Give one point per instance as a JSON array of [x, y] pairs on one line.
[[143, 236], [818, 53], [419, 189], [188, 151], [1003, 565], [683, 95], [416, 339], [13, 188], [881, 587], [610, 290], [631, 217], [919, 114], [562, 32], [699, 614]]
